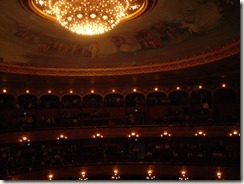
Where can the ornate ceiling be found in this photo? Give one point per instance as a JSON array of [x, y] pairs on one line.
[[171, 35]]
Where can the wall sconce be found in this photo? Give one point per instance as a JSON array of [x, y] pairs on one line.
[[150, 175], [50, 176], [115, 176], [133, 134], [234, 133], [24, 139], [83, 176], [219, 175], [61, 137], [97, 135], [200, 133], [183, 176], [165, 134]]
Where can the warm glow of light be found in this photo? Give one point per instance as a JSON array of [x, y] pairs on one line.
[[27, 91], [165, 133], [223, 85], [155, 89], [234, 133], [49, 91], [113, 90], [133, 134], [178, 87], [83, 176], [86, 17], [200, 86], [92, 91], [115, 171], [150, 176], [83, 173], [24, 139], [97, 135], [134, 89], [115, 176], [50, 176], [4, 91], [71, 91], [200, 133], [149, 172], [219, 175], [183, 175], [62, 136]]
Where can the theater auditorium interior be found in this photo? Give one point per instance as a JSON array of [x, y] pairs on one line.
[[120, 90]]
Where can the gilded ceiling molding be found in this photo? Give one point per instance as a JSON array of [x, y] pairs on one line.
[[179, 63]]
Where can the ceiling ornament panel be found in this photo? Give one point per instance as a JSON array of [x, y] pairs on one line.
[[179, 63]]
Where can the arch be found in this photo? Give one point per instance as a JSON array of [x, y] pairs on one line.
[[7, 101], [199, 96], [49, 101], [224, 106], [224, 95], [178, 98], [92, 101], [27, 101], [70, 101], [135, 99], [114, 100], [156, 98]]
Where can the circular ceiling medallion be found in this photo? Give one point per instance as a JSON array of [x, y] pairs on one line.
[[136, 9]]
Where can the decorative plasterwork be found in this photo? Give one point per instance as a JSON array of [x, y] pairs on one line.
[[157, 66]]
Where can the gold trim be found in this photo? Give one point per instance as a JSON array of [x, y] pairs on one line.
[[161, 66], [137, 13], [39, 12]]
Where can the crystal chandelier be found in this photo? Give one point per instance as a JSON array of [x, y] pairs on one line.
[[86, 17]]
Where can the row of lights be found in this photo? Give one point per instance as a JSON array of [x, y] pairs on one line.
[[149, 176], [132, 135], [134, 90]]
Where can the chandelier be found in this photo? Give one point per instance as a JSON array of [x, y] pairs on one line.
[[88, 17]]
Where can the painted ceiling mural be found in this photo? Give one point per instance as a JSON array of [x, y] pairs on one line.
[[172, 25]]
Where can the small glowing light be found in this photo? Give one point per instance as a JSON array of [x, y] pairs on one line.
[[83, 173], [183, 175], [200, 86], [178, 87], [93, 15], [134, 89], [24, 139], [71, 91], [223, 85], [219, 175], [133, 134], [62, 136], [49, 91], [92, 91], [79, 16], [155, 89], [200, 133], [115, 176], [83, 176], [27, 91], [150, 176], [4, 91], [97, 135], [50, 176], [113, 90], [165, 133], [234, 133]]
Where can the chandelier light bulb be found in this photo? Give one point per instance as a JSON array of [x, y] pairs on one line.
[[87, 17]]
